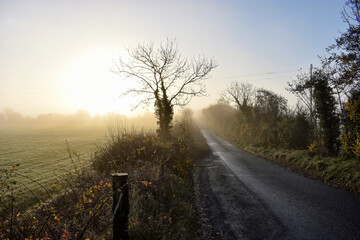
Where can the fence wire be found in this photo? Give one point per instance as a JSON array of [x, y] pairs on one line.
[[132, 179]]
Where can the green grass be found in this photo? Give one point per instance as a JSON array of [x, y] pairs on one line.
[[43, 153], [339, 172]]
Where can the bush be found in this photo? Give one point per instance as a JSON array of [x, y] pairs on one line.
[[80, 205]]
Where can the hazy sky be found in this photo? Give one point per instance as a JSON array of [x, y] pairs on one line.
[[55, 56]]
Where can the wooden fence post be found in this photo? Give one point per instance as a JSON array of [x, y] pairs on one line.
[[120, 206]]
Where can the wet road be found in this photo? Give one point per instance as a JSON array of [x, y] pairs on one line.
[[307, 208]]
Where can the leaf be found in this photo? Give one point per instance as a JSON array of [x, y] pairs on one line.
[[65, 234]]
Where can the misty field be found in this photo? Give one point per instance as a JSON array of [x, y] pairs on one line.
[[43, 153]]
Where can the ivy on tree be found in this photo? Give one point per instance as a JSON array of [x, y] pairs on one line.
[[164, 78]]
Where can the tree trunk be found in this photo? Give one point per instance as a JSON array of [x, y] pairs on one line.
[[164, 114]]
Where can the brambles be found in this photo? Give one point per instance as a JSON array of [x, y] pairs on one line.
[[160, 183], [69, 204], [79, 206]]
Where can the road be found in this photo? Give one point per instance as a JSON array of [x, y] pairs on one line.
[[247, 197]]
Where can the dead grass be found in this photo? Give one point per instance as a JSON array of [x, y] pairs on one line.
[[79, 205]]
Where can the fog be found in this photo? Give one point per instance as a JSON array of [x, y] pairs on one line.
[[10, 117]]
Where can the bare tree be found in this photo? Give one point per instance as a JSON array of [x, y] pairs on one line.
[[165, 78], [345, 53], [302, 88], [243, 95]]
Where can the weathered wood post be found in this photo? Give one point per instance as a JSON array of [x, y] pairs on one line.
[[120, 206]]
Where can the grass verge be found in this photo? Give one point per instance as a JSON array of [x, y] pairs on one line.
[[342, 173], [338, 172]]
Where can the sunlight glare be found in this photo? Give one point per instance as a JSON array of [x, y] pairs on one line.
[[89, 84]]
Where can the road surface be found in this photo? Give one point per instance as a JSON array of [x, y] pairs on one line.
[[242, 196]]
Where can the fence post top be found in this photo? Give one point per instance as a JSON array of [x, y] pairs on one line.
[[119, 174]]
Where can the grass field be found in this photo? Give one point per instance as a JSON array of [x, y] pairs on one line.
[[43, 153]]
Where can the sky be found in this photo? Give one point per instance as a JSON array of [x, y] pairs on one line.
[[57, 56]]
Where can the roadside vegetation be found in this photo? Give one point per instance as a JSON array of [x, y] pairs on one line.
[[293, 149], [321, 135], [79, 205], [159, 163]]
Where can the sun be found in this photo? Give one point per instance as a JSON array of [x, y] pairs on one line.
[[89, 83]]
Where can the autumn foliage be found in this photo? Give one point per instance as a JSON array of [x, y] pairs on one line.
[[80, 205]]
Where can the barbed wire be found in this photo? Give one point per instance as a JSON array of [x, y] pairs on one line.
[[120, 189], [66, 186], [131, 180]]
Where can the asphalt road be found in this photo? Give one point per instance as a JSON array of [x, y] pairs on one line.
[[299, 207]]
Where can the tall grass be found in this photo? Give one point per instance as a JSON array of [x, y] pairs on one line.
[[160, 196], [64, 209], [79, 205]]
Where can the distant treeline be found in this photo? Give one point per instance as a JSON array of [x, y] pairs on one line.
[[11, 117], [262, 118]]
